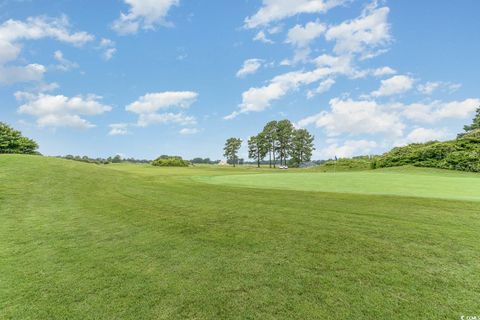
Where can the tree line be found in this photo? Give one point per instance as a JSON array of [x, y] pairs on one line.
[[199, 160], [279, 140], [114, 159]]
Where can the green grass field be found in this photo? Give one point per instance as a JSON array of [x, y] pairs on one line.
[[413, 182], [82, 241]]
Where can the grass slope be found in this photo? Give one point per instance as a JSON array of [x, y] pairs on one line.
[[415, 182], [79, 241]]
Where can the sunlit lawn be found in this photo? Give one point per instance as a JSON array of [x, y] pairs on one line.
[[82, 241]]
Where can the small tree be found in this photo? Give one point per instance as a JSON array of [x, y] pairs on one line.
[[258, 148], [474, 126], [230, 151], [12, 141], [302, 146]]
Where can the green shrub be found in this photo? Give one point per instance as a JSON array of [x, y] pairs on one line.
[[461, 154], [351, 164], [170, 161]]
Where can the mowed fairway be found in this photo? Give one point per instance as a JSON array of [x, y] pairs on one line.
[[414, 182], [81, 241]]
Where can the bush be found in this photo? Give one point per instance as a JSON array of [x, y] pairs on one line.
[[461, 154], [349, 164], [462, 160], [170, 161]]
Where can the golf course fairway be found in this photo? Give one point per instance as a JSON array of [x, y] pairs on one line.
[[124, 241], [413, 182]]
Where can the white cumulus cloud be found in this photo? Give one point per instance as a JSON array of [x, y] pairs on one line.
[[383, 71], [61, 111], [108, 47], [262, 37], [63, 63], [301, 36], [275, 10], [368, 32], [394, 85], [324, 86], [143, 14], [441, 110], [189, 131], [250, 66], [429, 87], [30, 72], [14, 32], [165, 118], [257, 99], [348, 149], [356, 117], [149, 105], [118, 129]]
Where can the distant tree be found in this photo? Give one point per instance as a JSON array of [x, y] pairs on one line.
[[12, 141], [117, 159], [270, 135], [284, 137], [201, 160], [472, 127], [230, 151], [301, 146], [197, 160], [258, 148]]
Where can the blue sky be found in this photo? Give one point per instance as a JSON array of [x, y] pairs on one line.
[[143, 78]]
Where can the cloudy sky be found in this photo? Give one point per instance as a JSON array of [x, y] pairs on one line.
[[148, 77]]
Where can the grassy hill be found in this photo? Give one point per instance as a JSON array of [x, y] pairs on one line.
[[461, 154], [80, 241]]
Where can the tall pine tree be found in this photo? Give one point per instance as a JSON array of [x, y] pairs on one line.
[[284, 137], [258, 148], [230, 151], [270, 134], [302, 146]]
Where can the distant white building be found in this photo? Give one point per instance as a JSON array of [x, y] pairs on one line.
[[223, 163]]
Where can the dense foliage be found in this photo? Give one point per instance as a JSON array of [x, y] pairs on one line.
[[170, 161], [281, 141], [301, 147], [12, 141], [258, 148], [353, 164], [461, 154]]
